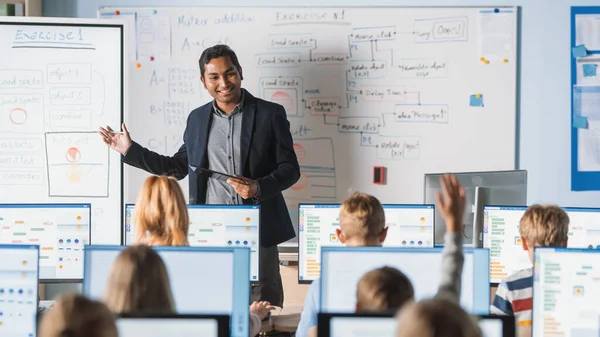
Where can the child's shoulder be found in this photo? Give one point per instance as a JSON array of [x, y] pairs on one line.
[[519, 280]]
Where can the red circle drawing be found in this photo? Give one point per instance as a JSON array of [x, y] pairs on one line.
[[284, 99], [73, 155], [300, 152], [301, 184], [18, 116]]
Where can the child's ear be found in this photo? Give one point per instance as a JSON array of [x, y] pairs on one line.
[[340, 235], [524, 243], [383, 234]]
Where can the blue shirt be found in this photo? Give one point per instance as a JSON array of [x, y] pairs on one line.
[[312, 306]]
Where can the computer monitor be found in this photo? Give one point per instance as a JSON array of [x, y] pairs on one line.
[[61, 231], [565, 292], [357, 325], [386, 324], [496, 325], [135, 325], [408, 226], [342, 268], [217, 226], [501, 235], [204, 280], [19, 267], [481, 188]]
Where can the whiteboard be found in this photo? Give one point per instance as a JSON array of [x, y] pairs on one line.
[[415, 90], [60, 79]]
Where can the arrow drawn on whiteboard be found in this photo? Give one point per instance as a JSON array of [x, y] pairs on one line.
[[383, 117], [103, 92]]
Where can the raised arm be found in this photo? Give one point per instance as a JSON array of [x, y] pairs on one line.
[[452, 207], [138, 156]]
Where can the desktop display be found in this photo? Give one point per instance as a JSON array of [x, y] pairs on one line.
[[501, 236], [565, 292], [61, 231], [18, 290], [204, 280], [339, 276], [173, 325], [408, 226], [216, 226]]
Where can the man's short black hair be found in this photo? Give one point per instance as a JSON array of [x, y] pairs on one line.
[[216, 51]]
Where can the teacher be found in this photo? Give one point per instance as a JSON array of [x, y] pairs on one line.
[[237, 134]]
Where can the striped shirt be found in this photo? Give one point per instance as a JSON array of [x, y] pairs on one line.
[[514, 296]]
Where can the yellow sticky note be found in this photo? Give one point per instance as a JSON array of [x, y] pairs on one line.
[[478, 95], [505, 60], [482, 59], [487, 62]]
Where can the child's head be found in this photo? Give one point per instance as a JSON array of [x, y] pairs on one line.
[[383, 289], [76, 316], [436, 318], [362, 221], [161, 217], [545, 226], [139, 282]]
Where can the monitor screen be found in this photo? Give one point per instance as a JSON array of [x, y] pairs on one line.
[[385, 325], [565, 292], [61, 231], [408, 226], [204, 280], [339, 277], [217, 226], [18, 290], [496, 325], [501, 236], [174, 325]]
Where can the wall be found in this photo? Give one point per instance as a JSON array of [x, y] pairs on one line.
[[544, 89]]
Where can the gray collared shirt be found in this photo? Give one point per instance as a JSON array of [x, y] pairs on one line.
[[224, 153]]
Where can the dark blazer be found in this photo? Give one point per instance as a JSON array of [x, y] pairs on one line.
[[267, 154]]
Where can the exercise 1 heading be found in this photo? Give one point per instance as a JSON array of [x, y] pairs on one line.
[[54, 35]]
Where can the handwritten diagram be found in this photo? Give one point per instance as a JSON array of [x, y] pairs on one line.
[[78, 164]]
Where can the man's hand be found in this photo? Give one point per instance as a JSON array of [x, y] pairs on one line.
[[244, 187], [452, 205], [118, 141]]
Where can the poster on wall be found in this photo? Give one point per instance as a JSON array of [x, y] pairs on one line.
[[585, 98]]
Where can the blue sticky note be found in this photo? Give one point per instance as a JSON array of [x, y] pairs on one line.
[[475, 101], [580, 122], [589, 70], [579, 51]]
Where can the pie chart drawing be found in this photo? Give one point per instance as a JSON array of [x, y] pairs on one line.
[[18, 116], [73, 155], [285, 99]]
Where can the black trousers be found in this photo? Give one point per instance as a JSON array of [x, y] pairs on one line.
[[270, 287]]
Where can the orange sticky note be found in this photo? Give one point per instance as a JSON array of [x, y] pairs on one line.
[[138, 65], [79, 217]]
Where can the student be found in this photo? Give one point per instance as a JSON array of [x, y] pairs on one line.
[[139, 282], [545, 226], [436, 318], [383, 289], [362, 222], [76, 316], [161, 217]]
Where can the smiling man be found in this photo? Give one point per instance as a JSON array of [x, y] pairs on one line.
[[237, 134]]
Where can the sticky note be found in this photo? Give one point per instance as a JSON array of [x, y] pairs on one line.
[[579, 51], [476, 100], [137, 65], [589, 70], [505, 60], [580, 122]]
